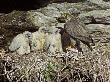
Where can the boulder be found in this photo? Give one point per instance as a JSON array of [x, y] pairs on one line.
[[101, 3], [50, 11], [16, 20], [39, 19], [101, 33], [99, 27], [64, 7], [96, 16]]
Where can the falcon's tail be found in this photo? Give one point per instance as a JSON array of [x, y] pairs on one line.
[[88, 45], [87, 41]]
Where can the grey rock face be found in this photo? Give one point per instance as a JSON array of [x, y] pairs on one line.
[[96, 16], [16, 20], [62, 8], [99, 27], [53, 42], [39, 19], [20, 43], [50, 11], [100, 3], [95, 1]]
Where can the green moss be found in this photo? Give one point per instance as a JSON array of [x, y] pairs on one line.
[[49, 72]]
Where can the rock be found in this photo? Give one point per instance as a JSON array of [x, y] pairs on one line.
[[62, 8], [95, 1], [96, 16], [38, 39], [70, 1], [23, 20], [99, 27], [39, 19], [53, 41], [95, 27], [50, 11], [16, 20], [83, 7], [20, 43], [101, 3]]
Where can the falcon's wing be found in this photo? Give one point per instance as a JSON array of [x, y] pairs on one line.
[[81, 23], [76, 29]]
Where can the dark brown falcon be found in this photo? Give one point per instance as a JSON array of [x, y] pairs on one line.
[[78, 31]]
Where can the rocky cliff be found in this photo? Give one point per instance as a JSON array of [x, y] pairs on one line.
[[89, 67]]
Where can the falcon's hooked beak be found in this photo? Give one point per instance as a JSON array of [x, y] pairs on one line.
[[60, 28]]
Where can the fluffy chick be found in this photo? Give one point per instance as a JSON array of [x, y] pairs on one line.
[[38, 39], [53, 41], [20, 43]]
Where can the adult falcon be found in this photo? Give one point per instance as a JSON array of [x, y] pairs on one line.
[[75, 29]]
